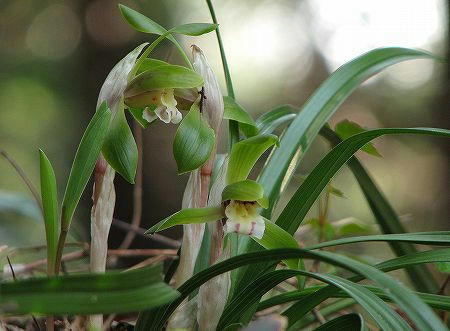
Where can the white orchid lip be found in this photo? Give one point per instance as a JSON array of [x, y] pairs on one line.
[[243, 218], [166, 108]]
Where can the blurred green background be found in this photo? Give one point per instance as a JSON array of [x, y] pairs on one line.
[[54, 56]]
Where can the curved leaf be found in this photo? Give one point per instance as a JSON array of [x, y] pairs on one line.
[[84, 162], [188, 216], [319, 108], [295, 211], [433, 300], [350, 321], [419, 313], [86, 294], [244, 155], [440, 238], [194, 141], [385, 317], [386, 217], [269, 121], [314, 114]]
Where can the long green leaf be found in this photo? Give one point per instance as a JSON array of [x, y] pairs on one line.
[[303, 130], [86, 294], [433, 300], [194, 141], [50, 208], [295, 211], [385, 317], [421, 315], [271, 120], [84, 162], [386, 217], [345, 322], [439, 238], [321, 105], [305, 305], [188, 216]]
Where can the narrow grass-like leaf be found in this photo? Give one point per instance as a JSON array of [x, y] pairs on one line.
[[345, 322], [119, 147], [84, 162], [50, 208], [439, 238], [319, 108], [305, 305], [244, 155], [313, 116], [433, 300], [245, 190], [194, 141], [421, 315], [86, 294], [268, 122], [295, 211], [188, 216], [386, 217], [385, 317]]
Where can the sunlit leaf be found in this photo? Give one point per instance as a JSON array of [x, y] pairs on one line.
[[194, 141]]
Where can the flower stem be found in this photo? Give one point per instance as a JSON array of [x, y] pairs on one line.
[[233, 126]]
